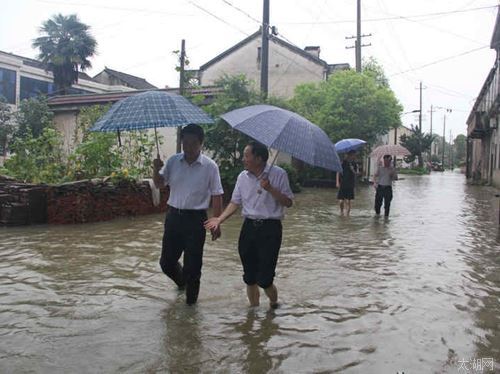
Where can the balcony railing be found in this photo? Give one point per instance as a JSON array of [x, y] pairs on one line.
[[487, 104]]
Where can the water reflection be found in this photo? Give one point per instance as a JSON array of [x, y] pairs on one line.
[[416, 293]]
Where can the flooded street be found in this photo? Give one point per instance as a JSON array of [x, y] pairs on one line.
[[418, 293]]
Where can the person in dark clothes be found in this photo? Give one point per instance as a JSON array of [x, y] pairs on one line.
[[194, 181], [382, 181], [346, 182]]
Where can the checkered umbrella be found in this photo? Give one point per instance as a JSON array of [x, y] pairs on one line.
[[150, 110], [287, 132]]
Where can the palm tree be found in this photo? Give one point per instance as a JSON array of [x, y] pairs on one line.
[[65, 46], [417, 143]]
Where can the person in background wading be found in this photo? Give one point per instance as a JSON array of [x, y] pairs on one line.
[[263, 191], [346, 181], [382, 181], [194, 181]]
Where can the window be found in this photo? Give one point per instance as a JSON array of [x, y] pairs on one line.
[[8, 85], [33, 87]]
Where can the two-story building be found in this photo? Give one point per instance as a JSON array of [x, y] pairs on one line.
[[483, 136], [22, 78], [289, 65]]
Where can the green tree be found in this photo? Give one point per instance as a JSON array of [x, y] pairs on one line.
[[225, 143], [349, 105], [6, 125], [65, 46], [460, 148], [417, 143], [373, 69], [32, 117]]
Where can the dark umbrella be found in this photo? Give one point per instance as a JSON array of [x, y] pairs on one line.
[[149, 110], [287, 132]]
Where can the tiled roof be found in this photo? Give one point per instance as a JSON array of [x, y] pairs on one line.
[[71, 101], [131, 80]]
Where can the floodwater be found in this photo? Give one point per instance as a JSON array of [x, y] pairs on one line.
[[418, 293]]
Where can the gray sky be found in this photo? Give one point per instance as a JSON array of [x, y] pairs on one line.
[[443, 43]]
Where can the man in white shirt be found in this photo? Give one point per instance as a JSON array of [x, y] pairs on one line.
[[194, 180], [263, 191], [382, 181]]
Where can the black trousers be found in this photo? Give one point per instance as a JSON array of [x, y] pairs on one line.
[[183, 233], [384, 193], [259, 245]]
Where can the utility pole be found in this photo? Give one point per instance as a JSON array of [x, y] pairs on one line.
[[444, 139], [432, 144], [181, 87], [264, 61], [420, 112], [357, 43], [450, 153]]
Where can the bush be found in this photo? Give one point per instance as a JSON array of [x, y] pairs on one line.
[[293, 177], [414, 171], [37, 160]]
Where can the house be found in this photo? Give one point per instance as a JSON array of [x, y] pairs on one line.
[[289, 65], [67, 108], [22, 78], [483, 136], [117, 78]]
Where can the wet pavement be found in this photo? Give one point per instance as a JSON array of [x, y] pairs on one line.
[[419, 292]]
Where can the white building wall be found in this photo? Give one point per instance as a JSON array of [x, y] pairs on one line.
[[286, 68]]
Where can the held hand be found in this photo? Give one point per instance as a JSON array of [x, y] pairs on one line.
[[157, 164], [212, 224], [265, 184], [216, 233]]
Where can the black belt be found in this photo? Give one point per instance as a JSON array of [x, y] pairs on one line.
[[171, 209], [260, 222]]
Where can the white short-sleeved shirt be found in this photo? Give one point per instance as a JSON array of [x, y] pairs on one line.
[[191, 186], [385, 175], [261, 205]]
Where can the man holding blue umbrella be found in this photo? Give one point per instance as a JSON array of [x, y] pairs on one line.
[[194, 181]]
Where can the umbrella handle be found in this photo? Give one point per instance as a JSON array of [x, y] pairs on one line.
[[274, 159], [157, 147]]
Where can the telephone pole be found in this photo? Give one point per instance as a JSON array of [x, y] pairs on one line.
[[264, 61], [181, 87], [357, 43], [420, 112], [450, 153], [444, 139]]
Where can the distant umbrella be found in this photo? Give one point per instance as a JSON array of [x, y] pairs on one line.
[[346, 145], [286, 131], [149, 110], [393, 150]]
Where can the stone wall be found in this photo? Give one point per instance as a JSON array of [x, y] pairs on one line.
[[76, 202]]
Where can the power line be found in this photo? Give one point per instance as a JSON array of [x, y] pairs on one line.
[[241, 11], [217, 17], [440, 60], [86, 5], [394, 17]]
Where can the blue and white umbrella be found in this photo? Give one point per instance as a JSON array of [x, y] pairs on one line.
[[346, 145], [149, 110], [286, 131]]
